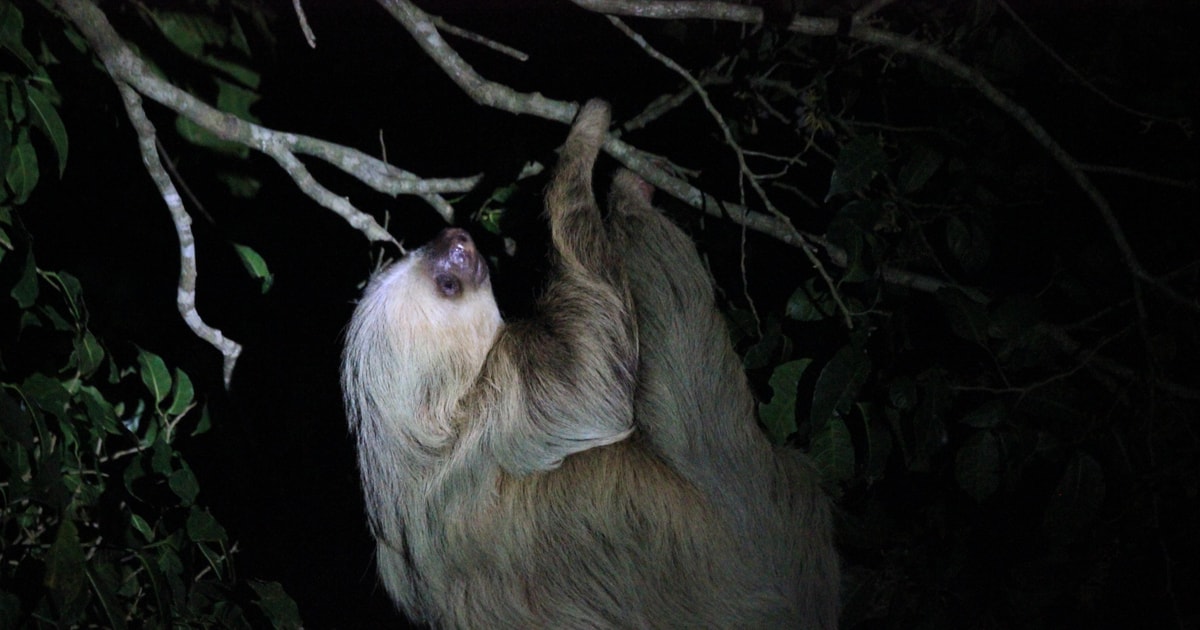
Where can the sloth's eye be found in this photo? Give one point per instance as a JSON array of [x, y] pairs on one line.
[[448, 285]]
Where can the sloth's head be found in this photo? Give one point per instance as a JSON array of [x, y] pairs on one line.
[[445, 296], [453, 265], [429, 318]]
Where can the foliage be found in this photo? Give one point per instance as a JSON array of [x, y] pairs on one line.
[[1003, 446], [99, 519]]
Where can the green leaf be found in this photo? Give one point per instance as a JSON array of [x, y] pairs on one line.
[[25, 291], [968, 317], [501, 194], [247, 77], [989, 415], [857, 164], [189, 32], [922, 163], [240, 185], [204, 424], [1016, 317], [50, 317], [161, 456], [154, 374], [142, 527], [276, 605], [6, 141], [977, 465], [106, 584], [134, 471], [65, 572], [902, 393], [150, 428], [833, 451], [88, 355], [182, 393], [12, 25], [16, 422], [807, 304], [183, 483], [1077, 498], [237, 37], [10, 607], [45, 117], [22, 172], [838, 385], [256, 265], [72, 291], [773, 346], [968, 243], [158, 588], [99, 410], [779, 415], [46, 393], [16, 106], [236, 99], [202, 527]]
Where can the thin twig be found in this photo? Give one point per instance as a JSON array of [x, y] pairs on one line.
[[309, 36], [1078, 76], [746, 174], [820, 26], [479, 39]]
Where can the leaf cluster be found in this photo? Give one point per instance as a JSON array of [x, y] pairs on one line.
[[100, 523], [987, 425], [99, 515]]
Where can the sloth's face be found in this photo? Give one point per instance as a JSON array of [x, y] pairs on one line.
[[438, 299], [442, 295], [454, 265]]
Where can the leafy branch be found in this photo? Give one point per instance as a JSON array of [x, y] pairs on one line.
[[857, 28]]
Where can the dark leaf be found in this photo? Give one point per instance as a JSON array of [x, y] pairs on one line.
[[977, 465], [1077, 497], [779, 415], [858, 162], [838, 385]]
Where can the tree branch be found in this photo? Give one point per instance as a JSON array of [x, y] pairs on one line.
[[817, 27], [132, 76], [185, 299], [746, 174], [125, 66], [424, 31]]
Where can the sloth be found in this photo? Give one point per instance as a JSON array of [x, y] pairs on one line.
[[596, 466]]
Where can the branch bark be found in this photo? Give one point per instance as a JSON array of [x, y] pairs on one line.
[[185, 299], [125, 66]]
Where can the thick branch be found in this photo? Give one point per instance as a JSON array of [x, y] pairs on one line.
[[125, 66], [423, 29], [421, 26]]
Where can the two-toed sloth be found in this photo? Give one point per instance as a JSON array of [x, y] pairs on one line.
[[598, 466]]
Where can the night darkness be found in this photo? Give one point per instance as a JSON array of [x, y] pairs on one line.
[[278, 467]]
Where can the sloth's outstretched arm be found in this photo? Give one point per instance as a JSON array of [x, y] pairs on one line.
[[577, 361]]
